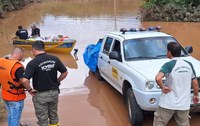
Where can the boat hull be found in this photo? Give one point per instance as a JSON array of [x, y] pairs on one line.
[[54, 47]]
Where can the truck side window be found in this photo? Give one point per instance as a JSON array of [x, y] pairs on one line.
[[107, 45], [116, 46]]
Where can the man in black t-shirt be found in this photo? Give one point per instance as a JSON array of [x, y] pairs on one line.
[[35, 31], [43, 69], [22, 33]]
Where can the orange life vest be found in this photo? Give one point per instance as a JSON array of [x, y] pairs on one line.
[[12, 89]]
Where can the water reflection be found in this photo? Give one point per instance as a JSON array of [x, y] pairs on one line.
[[68, 60], [108, 100]]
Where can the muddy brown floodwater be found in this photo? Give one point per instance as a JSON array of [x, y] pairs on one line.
[[84, 101]]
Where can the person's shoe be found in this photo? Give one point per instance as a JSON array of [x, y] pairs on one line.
[[54, 124]]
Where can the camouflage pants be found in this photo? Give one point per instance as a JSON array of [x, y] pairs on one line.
[[46, 107]]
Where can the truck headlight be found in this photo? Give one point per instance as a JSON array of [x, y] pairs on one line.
[[149, 84]]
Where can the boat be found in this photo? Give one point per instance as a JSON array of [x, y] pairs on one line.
[[59, 46]]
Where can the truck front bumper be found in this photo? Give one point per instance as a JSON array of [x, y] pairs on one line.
[[148, 101]]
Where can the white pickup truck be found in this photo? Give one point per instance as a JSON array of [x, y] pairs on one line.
[[130, 59]]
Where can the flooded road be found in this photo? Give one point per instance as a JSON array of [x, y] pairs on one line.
[[85, 101]]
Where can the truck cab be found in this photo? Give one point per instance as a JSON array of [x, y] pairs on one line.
[[130, 59]]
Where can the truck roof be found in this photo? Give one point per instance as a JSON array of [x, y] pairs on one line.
[[138, 34]]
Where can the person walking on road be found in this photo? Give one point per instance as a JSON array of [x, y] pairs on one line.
[[11, 72], [43, 71], [175, 98]]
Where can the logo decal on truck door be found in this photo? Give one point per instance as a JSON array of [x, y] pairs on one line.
[[115, 73]]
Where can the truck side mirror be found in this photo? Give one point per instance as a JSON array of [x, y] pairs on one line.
[[115, 55], [189, 49]]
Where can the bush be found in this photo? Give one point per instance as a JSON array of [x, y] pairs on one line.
[[171, 10]]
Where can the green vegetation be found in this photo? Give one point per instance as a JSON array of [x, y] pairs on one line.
[[171, 10], [11, 5]]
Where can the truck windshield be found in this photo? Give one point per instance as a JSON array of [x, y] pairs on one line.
[[148, 48]]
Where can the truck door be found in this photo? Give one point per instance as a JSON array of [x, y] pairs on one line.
[[115, 66], [103, 61]]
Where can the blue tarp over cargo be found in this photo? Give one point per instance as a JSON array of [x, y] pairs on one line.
[[91, 54]]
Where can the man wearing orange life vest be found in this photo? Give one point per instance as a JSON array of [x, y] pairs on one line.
[[11, 71]]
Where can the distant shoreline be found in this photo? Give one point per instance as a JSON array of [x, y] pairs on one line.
[[10, 6]]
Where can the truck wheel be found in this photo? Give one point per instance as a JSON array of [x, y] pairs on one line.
[[98, 75], [134, 110]]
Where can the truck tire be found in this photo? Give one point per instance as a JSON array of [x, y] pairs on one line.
[[98, 75], [134, 110]]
